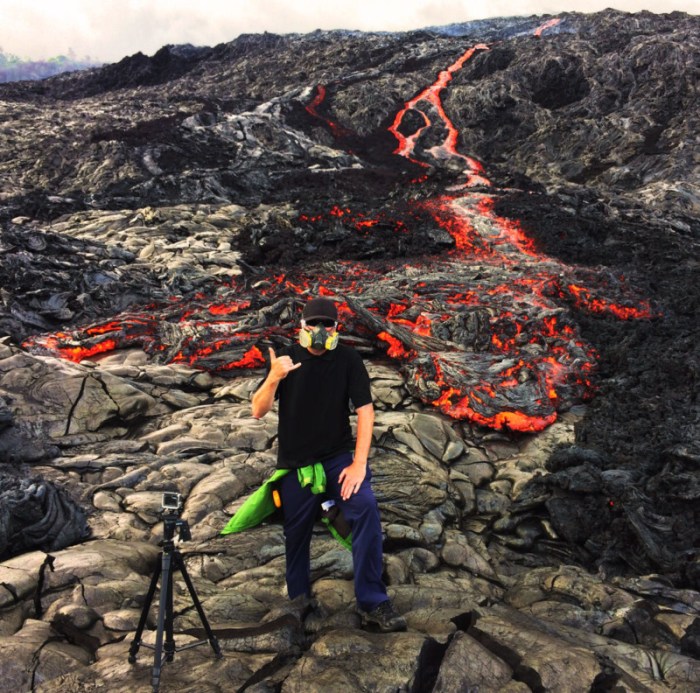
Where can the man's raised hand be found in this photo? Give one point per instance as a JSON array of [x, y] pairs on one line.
[[281, 366], [264, 396]]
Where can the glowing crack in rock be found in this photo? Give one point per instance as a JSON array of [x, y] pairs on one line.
[[547, 25], [482, 332]]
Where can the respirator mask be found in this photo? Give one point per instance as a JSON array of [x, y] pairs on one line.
[[318, 334]]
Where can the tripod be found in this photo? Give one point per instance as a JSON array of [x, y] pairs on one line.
[[171, 559]]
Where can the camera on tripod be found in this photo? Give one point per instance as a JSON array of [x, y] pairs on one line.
[[171, 501], [170, 561], [172, 522]]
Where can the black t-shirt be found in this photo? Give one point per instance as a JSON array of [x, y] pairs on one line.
[[314, 411]]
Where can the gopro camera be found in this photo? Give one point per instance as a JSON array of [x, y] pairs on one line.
[[171, 501]]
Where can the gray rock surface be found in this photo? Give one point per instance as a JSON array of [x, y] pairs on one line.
[[478, 614]]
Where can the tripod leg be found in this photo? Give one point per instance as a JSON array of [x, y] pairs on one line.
[[136, 642], [198, 605], [169, 647], [165, 587]]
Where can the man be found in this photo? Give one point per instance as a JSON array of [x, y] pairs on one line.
[[314, 382]]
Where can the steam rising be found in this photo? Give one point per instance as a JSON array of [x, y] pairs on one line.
[[111, 29]]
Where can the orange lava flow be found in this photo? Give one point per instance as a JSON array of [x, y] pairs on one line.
[[228, 308], [493, 328], [583, 299], [457, 405], [253, 358], [312, 109], [547, 25], [78, 354], [396, 348], [428, 102]]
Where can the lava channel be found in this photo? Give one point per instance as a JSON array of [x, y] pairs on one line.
[[484, 332]]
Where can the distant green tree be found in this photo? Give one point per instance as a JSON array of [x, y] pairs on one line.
[[8, 59], [14, 69]]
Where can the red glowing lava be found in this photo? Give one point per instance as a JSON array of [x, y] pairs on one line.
[[547, 25], [480, 332], [429, 103], [312, 109]]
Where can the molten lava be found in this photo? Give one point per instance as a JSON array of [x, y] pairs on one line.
[[428, 105], [547, 25], [481, 332], [313, 107]]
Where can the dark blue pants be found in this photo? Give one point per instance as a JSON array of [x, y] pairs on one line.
[[301, 508]]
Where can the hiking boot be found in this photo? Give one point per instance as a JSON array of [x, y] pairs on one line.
[[384, 618]]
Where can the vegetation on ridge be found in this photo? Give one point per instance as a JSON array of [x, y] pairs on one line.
[[15, 69]]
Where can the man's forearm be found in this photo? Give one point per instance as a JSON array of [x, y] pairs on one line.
[[353, 475], [264, 397], [365, 425]]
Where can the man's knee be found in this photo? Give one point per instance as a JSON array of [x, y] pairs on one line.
[[361, 506]]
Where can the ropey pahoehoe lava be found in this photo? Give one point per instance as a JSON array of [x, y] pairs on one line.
[[482, 331]]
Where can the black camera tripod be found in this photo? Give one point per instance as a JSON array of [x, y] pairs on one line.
[[171, 559]]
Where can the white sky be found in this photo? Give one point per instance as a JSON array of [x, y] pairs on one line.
[[108, 30]]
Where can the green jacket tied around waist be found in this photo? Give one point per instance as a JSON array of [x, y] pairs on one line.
[[260, 504]]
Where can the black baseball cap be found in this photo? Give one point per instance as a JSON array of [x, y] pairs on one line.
[[320, 309]]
